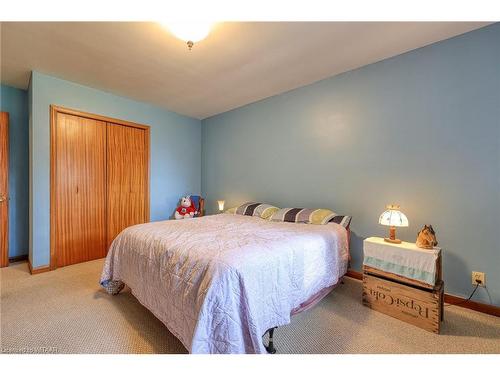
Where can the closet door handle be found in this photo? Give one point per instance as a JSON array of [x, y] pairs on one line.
[[3, 198]]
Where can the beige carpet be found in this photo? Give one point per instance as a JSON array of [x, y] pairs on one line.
[[65, 311]]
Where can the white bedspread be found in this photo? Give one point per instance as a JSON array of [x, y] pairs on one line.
[[220, 282]]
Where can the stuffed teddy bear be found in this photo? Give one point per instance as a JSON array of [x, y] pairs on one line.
[[186, 210]]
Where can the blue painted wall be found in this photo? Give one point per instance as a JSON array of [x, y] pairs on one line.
[[421, 129], [175, 150], [15, 101]]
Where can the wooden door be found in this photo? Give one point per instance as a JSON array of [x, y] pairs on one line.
[[128, 176], [79, 147], [4, 189]]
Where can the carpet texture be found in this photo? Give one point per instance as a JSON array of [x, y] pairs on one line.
[[65, 311]]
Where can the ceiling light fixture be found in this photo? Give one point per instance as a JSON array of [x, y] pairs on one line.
[[189, 31]]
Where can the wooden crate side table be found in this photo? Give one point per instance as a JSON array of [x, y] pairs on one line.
[[388, 285], [419, 307]]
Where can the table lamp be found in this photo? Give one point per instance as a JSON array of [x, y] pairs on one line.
[[221, 205], [393, 218]]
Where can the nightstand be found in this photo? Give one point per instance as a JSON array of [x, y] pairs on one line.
[[404, 281]]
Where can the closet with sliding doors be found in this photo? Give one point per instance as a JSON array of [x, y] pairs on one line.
[[99, 183]]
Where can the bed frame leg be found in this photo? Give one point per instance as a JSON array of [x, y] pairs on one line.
[[270, 347]]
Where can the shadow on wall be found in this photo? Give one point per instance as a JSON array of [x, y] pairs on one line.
[[356, 245], [454, 265]]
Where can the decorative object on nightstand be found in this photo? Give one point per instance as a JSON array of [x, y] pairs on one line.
[[221, 205], [393, 218], [404, 281], [426, 238]]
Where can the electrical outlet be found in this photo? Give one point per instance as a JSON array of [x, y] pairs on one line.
[[478, 278]]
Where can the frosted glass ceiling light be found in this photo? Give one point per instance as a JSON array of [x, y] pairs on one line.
[[189, 31]]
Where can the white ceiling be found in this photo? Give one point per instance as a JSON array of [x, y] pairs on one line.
[[237, 64]]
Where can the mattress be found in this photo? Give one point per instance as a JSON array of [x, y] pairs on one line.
[[220, 282]]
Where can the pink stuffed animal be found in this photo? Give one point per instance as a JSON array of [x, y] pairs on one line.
[[186, 210]]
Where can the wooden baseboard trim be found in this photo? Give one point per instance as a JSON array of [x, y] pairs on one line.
[[354, 274], [473, 305], [18, 258], [37, 270], [448, 298]]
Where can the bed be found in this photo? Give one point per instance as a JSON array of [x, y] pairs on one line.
[[220, 282]]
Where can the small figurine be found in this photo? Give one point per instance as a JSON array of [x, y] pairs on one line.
[[426, 238]]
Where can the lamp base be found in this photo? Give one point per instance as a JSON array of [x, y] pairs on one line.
[[396, 240]]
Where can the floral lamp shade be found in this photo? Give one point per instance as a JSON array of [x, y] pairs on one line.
[[393, 218]]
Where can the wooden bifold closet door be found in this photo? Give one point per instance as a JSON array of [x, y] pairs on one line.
[[99, 184], [80, 188], [127, 178]]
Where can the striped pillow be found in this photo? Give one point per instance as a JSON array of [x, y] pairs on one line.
[[261, 210], [303, 215], [345, 221]]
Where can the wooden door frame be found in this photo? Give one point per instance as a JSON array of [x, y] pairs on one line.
[[4, 256], [54, 110]]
